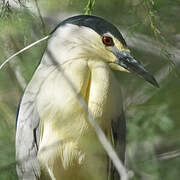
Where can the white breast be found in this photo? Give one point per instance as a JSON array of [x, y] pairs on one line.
[[65, 128]]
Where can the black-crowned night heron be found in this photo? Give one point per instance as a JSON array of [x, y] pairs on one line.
[[54, 139]]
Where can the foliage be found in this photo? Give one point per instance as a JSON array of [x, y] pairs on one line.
[[89, 7]]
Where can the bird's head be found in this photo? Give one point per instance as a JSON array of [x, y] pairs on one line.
[[91, 37]]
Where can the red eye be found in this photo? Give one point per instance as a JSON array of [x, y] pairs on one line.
[[108, 41]]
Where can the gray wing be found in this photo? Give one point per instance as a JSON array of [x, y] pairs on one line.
[[27, 137], [28, 128], [119, 137]]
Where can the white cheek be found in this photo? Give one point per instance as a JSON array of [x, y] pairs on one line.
[[71, 42]]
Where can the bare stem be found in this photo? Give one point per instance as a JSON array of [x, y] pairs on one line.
[[22, 50]]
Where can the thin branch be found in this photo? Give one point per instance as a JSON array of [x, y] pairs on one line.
[[168, 155], [163, 156], [160, 39], [20, 77], [40, 16], [100, 134], [22, 50], [14, 70]]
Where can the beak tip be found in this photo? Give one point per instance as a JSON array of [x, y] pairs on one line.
[[128, 62]]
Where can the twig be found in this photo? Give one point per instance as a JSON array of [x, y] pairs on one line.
[[20, 77], [14, 71], [22, 50], [100, 134], [163, 156], [151, 15], [168, 155], [40, 16]]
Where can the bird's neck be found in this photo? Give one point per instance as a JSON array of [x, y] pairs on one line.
[[99, 88], [65, 121]]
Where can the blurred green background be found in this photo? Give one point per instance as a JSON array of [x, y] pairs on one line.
[[152, 31]]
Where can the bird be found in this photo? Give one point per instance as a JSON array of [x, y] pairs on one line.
[[54, 139]]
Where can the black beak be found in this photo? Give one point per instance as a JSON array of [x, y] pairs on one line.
[[128, 62]]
